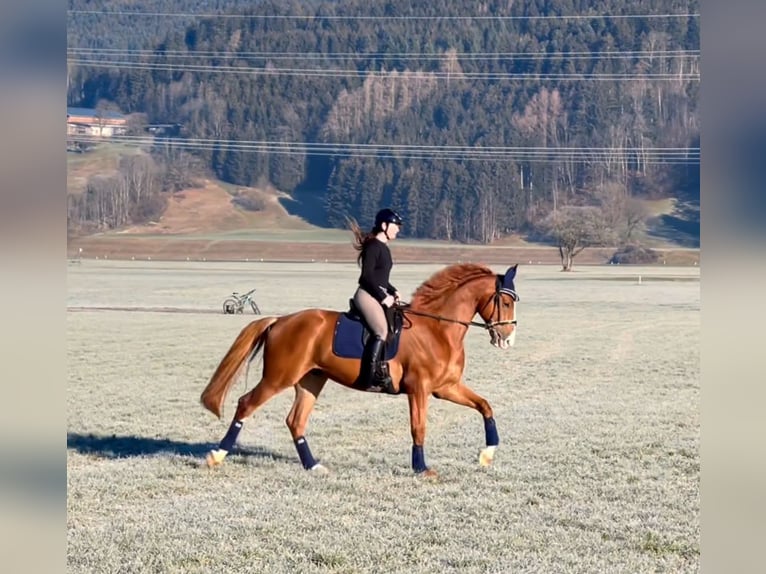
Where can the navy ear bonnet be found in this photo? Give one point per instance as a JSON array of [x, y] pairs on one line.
[[506, 283]]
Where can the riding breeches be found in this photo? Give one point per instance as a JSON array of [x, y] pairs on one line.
[[373, 312]]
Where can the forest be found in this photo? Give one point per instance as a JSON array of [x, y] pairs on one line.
[[474, 120]]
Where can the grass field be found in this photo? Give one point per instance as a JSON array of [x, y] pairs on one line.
[[597, 407]]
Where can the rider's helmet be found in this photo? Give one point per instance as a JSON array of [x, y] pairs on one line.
[[387, 216]]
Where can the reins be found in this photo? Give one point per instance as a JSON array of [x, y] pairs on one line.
[[405, 308], [501, 288]]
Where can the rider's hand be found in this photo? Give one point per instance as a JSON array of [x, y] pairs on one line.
[[388, 301], [397, 296]]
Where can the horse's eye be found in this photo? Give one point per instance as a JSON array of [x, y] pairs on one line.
[[506, 304]]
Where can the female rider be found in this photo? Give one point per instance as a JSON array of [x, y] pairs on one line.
[[373, 294]]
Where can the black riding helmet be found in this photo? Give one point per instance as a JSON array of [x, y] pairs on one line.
[[387, 216]]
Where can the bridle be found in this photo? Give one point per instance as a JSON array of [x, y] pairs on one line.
[[488, 325]]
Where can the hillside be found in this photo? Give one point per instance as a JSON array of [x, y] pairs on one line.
[[474, 128], [102, 161], [215, 208], [217, 221]]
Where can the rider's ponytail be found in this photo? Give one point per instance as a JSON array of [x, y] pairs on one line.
[[361, 239]]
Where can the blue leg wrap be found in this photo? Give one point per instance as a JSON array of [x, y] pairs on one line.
[[418, 459], [227, 443], [304, 452], [490, 432]]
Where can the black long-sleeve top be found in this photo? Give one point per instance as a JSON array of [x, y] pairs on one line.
[[376, 269]]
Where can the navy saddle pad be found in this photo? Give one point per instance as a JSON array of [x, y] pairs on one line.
[[351, 334]]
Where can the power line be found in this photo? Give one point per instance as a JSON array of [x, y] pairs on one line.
[[654, 155], [370, 17], [574, 55], [350, 73]]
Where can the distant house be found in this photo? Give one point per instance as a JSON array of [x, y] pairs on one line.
[[92, 122]]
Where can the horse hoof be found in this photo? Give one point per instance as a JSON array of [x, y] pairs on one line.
[[319, 468], [487, 455], [428, 473], [215, 458]]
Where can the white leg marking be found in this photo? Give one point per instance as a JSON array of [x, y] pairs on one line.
[[487, 455]]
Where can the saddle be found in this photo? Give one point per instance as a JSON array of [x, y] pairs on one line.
[[352, 331]]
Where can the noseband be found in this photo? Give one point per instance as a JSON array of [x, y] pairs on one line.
[[490, 325]]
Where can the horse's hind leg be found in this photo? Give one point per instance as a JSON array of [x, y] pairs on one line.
[[247, 405], [306, 393]]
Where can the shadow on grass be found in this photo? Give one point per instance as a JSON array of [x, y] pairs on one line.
[[308, 198], [306, 205], [113, 446], [681, 227]]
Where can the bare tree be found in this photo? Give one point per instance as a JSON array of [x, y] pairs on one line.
[[443, 222], [634, 220], [103, 107], [543, 123], [575, 228], [624, 215], [132, 195], [382, 94], [136, 124], [486, 215], [179, 169]]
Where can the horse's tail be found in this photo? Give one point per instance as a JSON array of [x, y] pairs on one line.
[[247, 344]]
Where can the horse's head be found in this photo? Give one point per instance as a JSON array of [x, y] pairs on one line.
[[499, 310], [477, 289]]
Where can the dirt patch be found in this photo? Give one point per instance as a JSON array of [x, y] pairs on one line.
[[656, 207], [175, 249], [212, 208]]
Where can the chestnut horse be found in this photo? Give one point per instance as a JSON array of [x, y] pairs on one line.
[[297, 352]]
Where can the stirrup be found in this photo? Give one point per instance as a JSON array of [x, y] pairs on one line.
[[386, 387], [379, 383], [382, 380]]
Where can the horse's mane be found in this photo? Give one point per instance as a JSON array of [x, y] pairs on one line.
[[431, 294]]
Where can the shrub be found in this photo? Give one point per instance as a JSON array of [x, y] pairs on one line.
[[248, 202], [634, 255]]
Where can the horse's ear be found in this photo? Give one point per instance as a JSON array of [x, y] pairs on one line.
[[511, 273]]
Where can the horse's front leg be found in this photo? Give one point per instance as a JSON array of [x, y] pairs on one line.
[[418, 415], [306, 394], [460, 394]]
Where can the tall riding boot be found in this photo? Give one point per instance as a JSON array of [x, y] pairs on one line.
[[373, 375], [380, 375]]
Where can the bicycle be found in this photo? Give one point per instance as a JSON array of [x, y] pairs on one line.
[[236, 302]]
